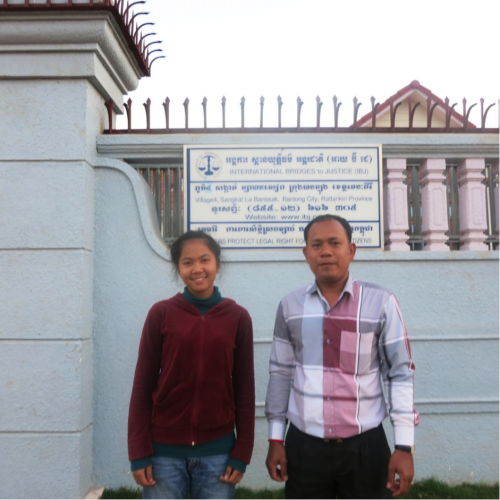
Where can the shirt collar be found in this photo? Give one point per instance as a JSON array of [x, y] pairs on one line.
[[347, 287]]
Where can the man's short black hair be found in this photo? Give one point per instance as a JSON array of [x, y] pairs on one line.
[[322, 218]]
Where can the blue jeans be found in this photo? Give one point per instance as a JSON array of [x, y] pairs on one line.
[[198, 476]]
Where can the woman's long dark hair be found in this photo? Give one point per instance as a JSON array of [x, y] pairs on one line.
[[178, 245]]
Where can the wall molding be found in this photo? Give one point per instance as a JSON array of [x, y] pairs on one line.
[[51, 433], [145, 204], [394, 145]]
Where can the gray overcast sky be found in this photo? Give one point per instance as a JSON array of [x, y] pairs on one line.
[[307, 48]]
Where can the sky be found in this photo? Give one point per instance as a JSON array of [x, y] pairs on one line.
[[310, 48]]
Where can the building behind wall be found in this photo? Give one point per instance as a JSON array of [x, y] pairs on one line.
[[83, 255]]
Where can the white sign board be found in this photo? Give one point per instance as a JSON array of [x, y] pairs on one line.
[[264, 196]]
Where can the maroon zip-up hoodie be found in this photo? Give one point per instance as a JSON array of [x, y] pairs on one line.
[[194, 380]]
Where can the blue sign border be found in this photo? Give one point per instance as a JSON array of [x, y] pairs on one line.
[[187, 183]]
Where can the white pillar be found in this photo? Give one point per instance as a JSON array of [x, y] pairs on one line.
[[434, 205], [472, 201], [395, 205], [56, 71], [494, 173]]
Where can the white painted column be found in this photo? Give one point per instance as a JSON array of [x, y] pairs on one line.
[[434, 205], [395, 205], [494, 173], [472, 201], [56, 72]]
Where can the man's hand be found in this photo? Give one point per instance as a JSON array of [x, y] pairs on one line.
[[276, 462], [232, 476], [401, 463], [144, 477]]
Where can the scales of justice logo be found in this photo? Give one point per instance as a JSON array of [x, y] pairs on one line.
[[209, 165]]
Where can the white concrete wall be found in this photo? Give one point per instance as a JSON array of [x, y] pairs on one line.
[[46, 266], [52, 93], [449, 300]]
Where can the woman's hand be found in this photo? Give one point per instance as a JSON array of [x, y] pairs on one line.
[[144, 477], [232, 476]]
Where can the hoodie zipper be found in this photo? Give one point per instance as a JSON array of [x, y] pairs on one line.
[[200, 366]]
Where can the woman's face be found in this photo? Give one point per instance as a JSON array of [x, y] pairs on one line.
[[198, 268]]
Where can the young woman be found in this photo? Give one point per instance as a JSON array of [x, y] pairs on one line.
[[193, 384]]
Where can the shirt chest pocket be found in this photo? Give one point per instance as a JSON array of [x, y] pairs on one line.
[[358, 353]]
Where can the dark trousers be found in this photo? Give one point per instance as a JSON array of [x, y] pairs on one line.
[[354, 467]]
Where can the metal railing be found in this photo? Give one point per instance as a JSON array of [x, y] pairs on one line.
[[453, 232], [414, 207], [450, 179], [491, 208], [167, 189]]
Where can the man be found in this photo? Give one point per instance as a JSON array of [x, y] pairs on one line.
[[333, 342]]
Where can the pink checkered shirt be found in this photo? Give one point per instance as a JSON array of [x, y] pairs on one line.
[[328, 364]]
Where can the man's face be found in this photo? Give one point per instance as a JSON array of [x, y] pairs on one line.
[[328, 252]]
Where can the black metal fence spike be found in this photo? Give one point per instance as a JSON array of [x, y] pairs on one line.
[[109, 106], [356, 107], [393, 113], [336, 108], [429, 100], [130, 5], [262, 111], [430, 111], [143, 37], [318, 112], [128, 107], [147, 107], [374, 112], [412, 113], [137, 31], [464, 105], [483, 116], [300, 103], [448, 113], [151, 43], [466, 121], [280, 104], [204, 104], [242, 104], [446, 110], [137, 14], [151, 63], [223, 104], [499, 115], [166, 105], [434, 106], [145, 24], [186, 112]]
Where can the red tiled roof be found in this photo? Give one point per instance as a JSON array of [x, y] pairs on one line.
[[414, 85]]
